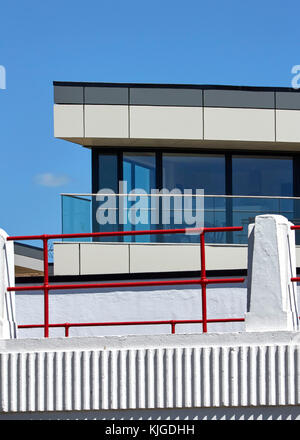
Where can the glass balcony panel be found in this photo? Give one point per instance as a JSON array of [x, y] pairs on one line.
[[76, 216], [219, 211]]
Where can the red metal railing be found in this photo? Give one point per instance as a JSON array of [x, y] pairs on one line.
[[203, 281]]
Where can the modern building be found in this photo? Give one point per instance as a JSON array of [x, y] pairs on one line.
[[112, 303], [240, 145]]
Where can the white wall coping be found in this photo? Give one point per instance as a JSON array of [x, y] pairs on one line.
[[149, 341]]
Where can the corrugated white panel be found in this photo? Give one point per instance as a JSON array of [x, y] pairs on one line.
[[132, 378]]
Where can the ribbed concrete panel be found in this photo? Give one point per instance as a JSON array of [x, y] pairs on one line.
[[288, 125], [107, 121], [68, 121], [240, 124], [166, 122], [170, 377]]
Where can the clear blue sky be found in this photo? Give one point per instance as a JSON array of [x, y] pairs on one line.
[[167, 41]]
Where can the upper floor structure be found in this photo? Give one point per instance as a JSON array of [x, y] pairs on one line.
[[240, 145]]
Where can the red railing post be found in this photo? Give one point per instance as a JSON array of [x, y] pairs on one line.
[[203, 282], [173, 324], [46, 287], [67, 327]]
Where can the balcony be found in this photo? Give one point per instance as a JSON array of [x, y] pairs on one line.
[[87, 213]]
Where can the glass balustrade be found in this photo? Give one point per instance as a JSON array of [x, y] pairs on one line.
[[148, 211]]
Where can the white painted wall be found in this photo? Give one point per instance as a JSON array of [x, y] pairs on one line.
[[133, 304]]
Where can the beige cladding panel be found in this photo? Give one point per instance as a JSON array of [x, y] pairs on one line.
[[220, 257], [106, 121], [169, 258], [68, 121], [99, 258], [288, 125], [155, 258], [240, 124], [158, 122], [66, 258]]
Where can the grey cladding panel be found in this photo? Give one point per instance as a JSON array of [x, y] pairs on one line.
[[106, 95], [288, 100], [68, 95], [238, 99], [166, 97]]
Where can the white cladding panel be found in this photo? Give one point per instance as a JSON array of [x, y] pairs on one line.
[[288, 125], [240, 124], [159, 122], [157, 258], [68, 121], [66, 258], [99, 258], [106, 121]]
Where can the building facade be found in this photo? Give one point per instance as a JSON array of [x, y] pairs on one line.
[[239, 145]]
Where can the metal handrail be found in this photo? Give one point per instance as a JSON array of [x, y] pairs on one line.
[[203, 281]]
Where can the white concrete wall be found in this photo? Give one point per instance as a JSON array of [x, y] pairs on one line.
[[132, 304]]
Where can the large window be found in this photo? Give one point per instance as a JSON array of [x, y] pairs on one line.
[[194, 171], [139, 174], [197, 172], [261, 176], [251, 176]]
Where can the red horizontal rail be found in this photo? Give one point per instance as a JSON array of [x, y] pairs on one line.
[[172, 322], [126, 284], [203, 281], [125, 233]]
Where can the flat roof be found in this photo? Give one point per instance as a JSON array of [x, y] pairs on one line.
[[175, 86]]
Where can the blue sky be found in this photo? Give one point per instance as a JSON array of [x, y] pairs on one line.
[[192, 41]]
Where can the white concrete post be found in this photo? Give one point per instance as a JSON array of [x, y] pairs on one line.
[[271, 296], [8, 326]]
